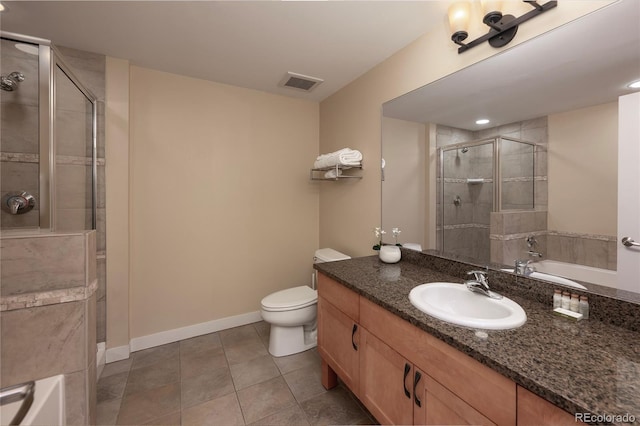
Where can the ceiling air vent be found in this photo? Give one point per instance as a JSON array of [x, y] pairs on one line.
[[300, 82]]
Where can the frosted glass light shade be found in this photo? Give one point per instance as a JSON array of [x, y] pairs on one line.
[[459, 16], [489, 6]]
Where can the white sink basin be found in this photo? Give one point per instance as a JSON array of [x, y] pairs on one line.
[[456, 304], [553, 278]]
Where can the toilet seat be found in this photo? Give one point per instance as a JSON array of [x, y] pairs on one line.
[[290, 299]]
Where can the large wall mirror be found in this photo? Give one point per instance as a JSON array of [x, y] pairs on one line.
[[538, 182]]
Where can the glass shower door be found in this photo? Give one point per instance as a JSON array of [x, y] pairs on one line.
[[517, 170], [466, 176], [74, 152]]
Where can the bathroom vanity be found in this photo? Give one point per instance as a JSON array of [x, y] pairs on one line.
[[409, 368]]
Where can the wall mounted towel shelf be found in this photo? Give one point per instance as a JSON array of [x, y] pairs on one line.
[[338, 171]]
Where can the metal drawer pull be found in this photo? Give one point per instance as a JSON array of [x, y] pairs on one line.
[[416, 379], [628, 242], [353, 333], [407, 368], [22, 392]]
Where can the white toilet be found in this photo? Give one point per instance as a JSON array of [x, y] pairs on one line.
[[292, 313]]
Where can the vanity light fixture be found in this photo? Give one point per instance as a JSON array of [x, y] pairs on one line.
[[482, 121], [1, 7], [502, 28]]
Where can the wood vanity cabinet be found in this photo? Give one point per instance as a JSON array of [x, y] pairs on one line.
[[404, 375], [445, 385]]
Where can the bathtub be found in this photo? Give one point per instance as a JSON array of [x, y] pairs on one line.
[[588, 274], [48, 407]]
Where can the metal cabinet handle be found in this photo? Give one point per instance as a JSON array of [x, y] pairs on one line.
[[407, 369], [24, 392], [416, 379], [353, 332], [628, 242]]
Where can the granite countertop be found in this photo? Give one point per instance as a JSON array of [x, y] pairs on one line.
[[583, 367]]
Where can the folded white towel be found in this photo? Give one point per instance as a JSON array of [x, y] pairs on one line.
[[343, 157]]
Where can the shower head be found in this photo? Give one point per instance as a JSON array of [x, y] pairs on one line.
[[10, 82], [465, 149]]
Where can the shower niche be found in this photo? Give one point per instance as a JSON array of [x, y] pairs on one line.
[[48, 140], [478, 183]]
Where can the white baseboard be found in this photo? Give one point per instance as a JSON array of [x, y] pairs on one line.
[[151, 340], [101, 358], [118, 353], [170, 336]]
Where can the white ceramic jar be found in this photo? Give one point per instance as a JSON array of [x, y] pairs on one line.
[[390, 254]]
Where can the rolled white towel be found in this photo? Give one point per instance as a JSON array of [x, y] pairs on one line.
[[343, 157]]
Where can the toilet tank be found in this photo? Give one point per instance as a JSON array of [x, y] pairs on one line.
[[328, 255]]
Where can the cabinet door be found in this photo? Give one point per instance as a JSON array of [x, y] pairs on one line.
[[338, 343], [436, 405], [385, 381], [535, 411]]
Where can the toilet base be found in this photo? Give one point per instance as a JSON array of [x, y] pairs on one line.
[[285, 341]]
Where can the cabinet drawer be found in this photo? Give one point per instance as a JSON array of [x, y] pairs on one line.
[[339, 296], [489, 392]]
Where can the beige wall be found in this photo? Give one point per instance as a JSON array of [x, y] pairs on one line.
[[222, 209], [404, 187], [583, 170], [351, 117]]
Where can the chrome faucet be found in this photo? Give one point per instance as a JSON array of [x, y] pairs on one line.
[[522, 267], [481, 285], [531, 244]]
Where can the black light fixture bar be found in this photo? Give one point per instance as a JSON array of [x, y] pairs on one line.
[[503, 31]]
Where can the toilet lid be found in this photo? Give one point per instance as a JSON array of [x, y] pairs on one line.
[[291, 298]]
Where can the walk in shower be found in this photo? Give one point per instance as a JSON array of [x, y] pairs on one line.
[[475, 179], [52, 218], [47, 140]]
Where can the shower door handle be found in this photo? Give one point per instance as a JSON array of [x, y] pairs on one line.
[[628, 242]]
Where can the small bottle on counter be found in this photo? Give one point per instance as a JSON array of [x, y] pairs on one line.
[[566, 300], [557, 299], [584, 307], [574, 304]]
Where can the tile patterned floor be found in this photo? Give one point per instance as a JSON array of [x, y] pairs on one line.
[[224, 378]]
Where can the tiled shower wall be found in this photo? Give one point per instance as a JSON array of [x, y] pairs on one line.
[[47, 303], [19, 144], [20, 151]]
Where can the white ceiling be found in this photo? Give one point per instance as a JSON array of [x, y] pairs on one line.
[[243, 43]]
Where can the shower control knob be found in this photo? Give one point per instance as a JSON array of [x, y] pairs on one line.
[[18, 203]]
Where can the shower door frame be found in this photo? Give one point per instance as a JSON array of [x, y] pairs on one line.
[[497, 173], [48, 59]]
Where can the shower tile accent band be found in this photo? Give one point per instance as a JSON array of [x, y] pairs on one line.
[[45, 298], [20, 157]]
